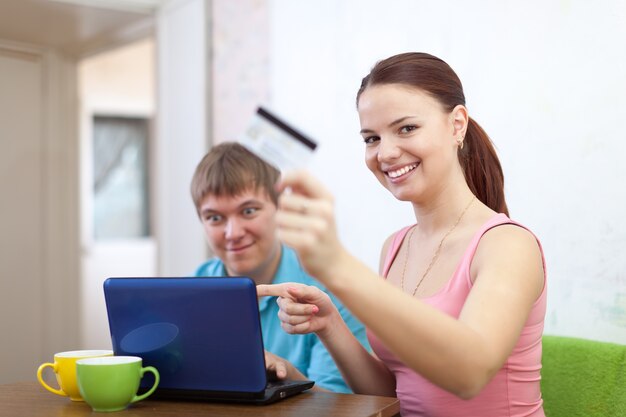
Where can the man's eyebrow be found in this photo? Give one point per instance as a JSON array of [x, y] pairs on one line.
[[206, 210], [248, 202]]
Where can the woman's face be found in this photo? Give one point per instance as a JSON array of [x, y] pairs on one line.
[[410, 140]]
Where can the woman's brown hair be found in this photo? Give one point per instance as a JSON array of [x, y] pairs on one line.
[[478, 157]]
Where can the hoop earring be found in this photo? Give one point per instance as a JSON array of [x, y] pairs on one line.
[[461, 142]]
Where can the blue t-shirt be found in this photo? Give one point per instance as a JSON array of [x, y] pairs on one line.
[[305, 351]]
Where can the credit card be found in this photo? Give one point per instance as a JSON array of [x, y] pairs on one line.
[[276, 142]]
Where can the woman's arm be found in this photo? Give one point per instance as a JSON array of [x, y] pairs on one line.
[[460, 355]]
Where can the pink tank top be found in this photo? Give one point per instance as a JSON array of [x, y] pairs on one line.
[[514, 391]]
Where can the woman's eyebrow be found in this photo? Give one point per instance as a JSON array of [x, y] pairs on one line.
[[395, 122]]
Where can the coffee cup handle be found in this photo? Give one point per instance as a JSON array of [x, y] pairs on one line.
[[42, 382], [156, 383]]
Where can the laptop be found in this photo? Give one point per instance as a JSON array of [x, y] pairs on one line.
[[203, 335]]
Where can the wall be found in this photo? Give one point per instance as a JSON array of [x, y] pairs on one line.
[[545, 79], [240, 65], [38, 227], [181, 129]]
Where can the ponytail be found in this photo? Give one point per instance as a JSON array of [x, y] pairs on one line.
[[482, 168]]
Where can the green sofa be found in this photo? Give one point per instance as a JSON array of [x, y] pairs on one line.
[[583, 378]]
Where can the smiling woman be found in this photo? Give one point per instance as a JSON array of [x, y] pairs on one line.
[[456, 319]]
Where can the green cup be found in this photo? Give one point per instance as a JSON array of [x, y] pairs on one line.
[[111, 383]]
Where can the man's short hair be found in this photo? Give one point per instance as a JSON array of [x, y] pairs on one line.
[[229, 169]]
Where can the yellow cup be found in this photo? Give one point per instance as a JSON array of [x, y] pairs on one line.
[[64, 368]]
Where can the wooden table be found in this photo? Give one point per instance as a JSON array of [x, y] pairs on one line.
[[29, 399]]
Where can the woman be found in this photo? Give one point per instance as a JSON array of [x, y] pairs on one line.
[[456, 323]]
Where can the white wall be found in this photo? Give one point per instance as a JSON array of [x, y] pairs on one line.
[[239, 65], [545, 79]]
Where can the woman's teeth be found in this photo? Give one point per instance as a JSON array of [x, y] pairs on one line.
[[401, 171]]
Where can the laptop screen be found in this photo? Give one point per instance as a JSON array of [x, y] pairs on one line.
[[202, 334]]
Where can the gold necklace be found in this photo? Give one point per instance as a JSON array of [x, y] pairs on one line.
[[436, 255]]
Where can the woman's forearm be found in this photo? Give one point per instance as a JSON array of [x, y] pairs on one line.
[[363, 372]]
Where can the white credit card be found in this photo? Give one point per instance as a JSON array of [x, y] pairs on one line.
[[274, 141]]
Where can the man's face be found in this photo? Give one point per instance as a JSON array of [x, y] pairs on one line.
[[241, 231]]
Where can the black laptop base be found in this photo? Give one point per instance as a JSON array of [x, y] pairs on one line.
[[274, 391]]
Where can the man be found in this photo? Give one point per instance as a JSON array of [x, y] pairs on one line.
[[233, 191]]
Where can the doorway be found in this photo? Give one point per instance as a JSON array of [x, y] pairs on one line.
[[117, 114]]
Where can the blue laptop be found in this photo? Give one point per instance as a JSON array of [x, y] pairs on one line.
[[202, 334]]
